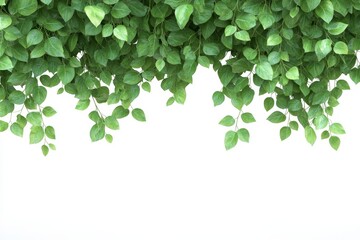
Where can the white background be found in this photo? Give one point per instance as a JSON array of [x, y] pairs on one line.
[[170, 178]]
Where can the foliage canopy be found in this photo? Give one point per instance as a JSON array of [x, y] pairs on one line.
[[107, 51]]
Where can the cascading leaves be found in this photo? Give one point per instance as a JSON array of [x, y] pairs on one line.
[[295, 52]]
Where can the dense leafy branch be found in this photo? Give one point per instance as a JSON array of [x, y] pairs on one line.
[[106, 51]]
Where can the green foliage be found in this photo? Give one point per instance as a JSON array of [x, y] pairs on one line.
[[106, 51]]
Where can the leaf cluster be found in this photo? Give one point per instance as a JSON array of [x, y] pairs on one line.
[[294, 52]]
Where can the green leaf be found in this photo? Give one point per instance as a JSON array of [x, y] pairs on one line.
[[107, 30], [5, 63], [95, 14], [120, 10], [6, 107], [204, 61], [294, 12], [34, 37], [341, 48], [293, 73], [101, 94], [266, 20], [132, 77], [248, 118], [97, 132], [3, 126], [227, 121], [180, 95], [34, 118], [354, 75], [295, 105], [23, 7], [245, 21], [211, 49], [226, 75], [285, 133], [45, 150], [230, 30], [269, 103], [48, 111], [82, 104], [17, 130], [342, 84], [66, 74], [335, 142], [109, 138], [337, 128], [138, 114], [160, 64], [146, 87], [218, 98], [310, 135], [36, 134], [294, 125], [39, 95], [120, 112], [323, 48], [182, 14], [321, 122], [5, 21], [242, 36], [320, 97], [17, 97], [137, 8], [249, 53], [325, 134], [66, 12], [274, 39], [170, 101], [50, 132], [277, 117], [325, 10], [243, 135], [309, 5], [336, 28], [52, 146], [264, 71], [112, 123], [54, 47], [121, 33], [231, 139]]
